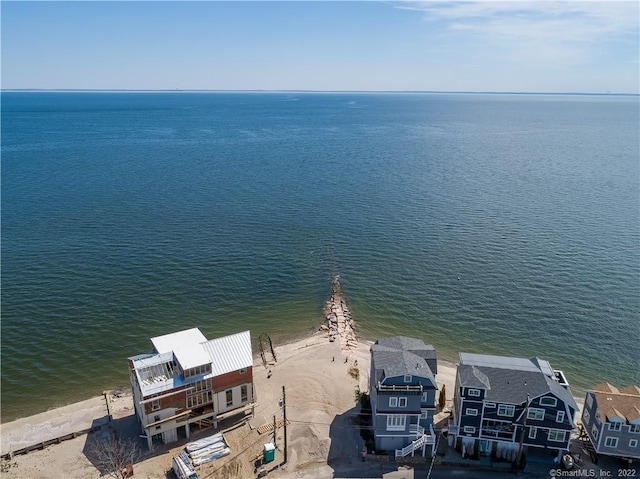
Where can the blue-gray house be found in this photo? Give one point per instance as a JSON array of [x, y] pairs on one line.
[[403, 395], [611, 419], [503, 406]]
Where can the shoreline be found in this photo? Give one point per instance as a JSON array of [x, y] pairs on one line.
[[321, 391]]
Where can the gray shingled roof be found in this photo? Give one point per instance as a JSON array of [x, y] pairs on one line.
[[472, 377], [413, 345], [392, 357], [510, 380]]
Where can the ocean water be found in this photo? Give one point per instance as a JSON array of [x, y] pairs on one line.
[[504, 224]]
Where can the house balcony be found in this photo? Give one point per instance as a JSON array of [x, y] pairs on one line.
[[497, 430], [400, 388], [416, 430]]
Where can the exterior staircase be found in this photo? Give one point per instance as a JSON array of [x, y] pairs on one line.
[[422, 441]]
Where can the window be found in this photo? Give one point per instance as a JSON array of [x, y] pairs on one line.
[[586, 417], [396, 422], [424, 414], [611, 442], [205, 368], [243, 371], [560, 416], [473, 392], [535, 414], [402, 402], [533, 431], [471, 412], [407, 378], [633, 443], [155, 404], [202, 385], [244, 393], [156, 418], [594, 432], [469, 429], [393, 402], [589, 400], [615, 426], [548, 401], [199, 399], [506, 410], [490, 405], [158, 427], [229, 394], [634, 428], [425, 397], [556, 435]]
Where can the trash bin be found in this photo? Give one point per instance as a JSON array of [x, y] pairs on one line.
[[269, 453]]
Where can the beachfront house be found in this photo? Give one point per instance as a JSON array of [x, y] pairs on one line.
[[188, 380], [505, 406], [611, 420], [402, 390]]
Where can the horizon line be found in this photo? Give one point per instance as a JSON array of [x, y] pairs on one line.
[[181, 90]]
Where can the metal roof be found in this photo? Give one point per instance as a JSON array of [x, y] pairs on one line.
[[178, 340], [157, 373], [229, 353]]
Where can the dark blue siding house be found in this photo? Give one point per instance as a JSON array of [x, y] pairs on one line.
[[504, 405]]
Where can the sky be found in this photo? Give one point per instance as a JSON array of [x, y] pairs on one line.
[[541, 46]]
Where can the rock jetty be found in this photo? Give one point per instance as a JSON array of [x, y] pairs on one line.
[[339, 324]]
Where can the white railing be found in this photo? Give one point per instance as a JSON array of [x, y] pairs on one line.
[[416, 430], [424, 440]]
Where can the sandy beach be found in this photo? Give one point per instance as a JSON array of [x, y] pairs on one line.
[[321, 383]]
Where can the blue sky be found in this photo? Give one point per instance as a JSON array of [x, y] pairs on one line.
[[332, 45]]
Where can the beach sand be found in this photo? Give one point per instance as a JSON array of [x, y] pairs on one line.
[[321, 383]]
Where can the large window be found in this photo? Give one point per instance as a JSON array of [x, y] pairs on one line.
[[548, 401], [506, 410], [202, 385], [205, 368], [611, 441], [199, 399], [474, 392], [229, 394], [243, 393], [402, 402], [556, 435], [634, 428], [396, 422], [535, 414]]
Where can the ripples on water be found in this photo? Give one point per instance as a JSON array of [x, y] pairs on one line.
[[498, 224]]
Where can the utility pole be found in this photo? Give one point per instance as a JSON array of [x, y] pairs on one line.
[[524, 427], [284, 418], [275, 431]]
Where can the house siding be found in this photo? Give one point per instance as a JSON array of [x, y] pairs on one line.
[[591, 418]]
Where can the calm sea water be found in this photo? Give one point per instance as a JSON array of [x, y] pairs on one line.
[[502, 224]]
